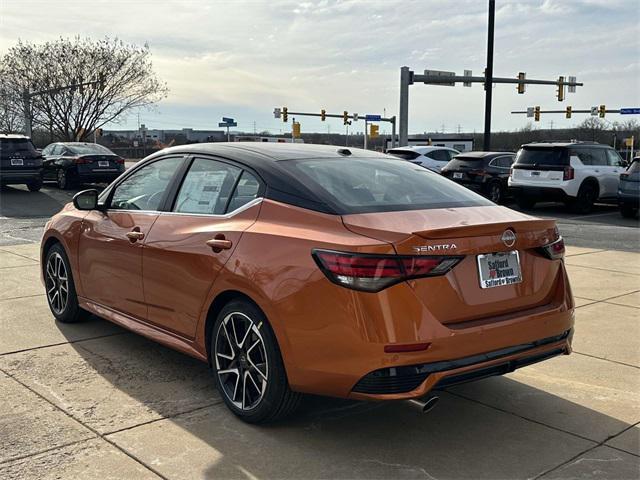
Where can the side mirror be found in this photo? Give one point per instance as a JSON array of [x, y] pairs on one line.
[[86, 200], [623, 163]]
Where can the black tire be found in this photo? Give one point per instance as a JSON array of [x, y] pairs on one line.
[[628, 211], [63, 179], [495, 192], [34, 185], [587, 195], [524, 202], [261, 364], [67, 311]]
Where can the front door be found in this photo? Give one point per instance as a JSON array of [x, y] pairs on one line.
[[112, 241], [188, 247]]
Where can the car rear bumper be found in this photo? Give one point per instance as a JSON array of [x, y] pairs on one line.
[[540, 193], [98, 177], [22, 176], [629, 199], [415, 381]]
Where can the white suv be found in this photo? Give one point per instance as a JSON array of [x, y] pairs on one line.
[[576, 173], [433, 158]]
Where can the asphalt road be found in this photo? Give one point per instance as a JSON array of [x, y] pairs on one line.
[[23, 215]]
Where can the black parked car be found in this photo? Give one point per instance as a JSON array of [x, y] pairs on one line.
[[484, 172], [20, 162], [74, 163]]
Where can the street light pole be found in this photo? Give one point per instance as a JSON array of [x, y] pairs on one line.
[[488, 85], [405, 81]]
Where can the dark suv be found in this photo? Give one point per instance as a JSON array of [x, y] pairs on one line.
[[629, 190], [20, 162], [484, 172]]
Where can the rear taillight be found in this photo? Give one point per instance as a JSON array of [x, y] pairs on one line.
[[81, 160], [372, 273], [568, 173], [553, 250], [624, 176], [119, 161]]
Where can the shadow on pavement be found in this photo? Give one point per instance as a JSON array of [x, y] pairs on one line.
[[19, 203]]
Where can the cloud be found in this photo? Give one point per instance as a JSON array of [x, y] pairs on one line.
[[219, 56]]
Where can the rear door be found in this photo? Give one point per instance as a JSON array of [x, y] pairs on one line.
[[540, 166], [188, 246], [112, 241]]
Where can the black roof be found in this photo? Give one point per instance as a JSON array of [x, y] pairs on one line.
[[263, 159]]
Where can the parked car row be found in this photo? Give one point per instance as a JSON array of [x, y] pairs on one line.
[[68, 164], [578, 174]]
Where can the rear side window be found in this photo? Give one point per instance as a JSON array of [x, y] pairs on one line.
[[17, 146], [590, 156], [246, 191], [503, 162], [404, 154], [542, 156], [361, 185], [634, 167], [207, 187], [439, 155]]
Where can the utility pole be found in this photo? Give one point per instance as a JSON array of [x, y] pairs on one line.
[[406, 79], [26, 104], [488, 85]]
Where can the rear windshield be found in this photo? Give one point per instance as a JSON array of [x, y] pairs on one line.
[[362, 185], [90, 149], [542, 156], [462, 161], [21, 146], [635, 166], [404, 154]]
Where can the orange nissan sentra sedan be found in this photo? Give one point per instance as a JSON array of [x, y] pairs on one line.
[[297, 269]]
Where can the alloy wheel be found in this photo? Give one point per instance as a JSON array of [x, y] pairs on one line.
[[57, 283], [62, 179], [494, 193], [241, 360]]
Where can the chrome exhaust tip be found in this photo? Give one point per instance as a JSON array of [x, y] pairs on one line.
[[425, 405]]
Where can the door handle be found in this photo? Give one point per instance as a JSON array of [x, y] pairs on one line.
[[135, 235], [218, 244]]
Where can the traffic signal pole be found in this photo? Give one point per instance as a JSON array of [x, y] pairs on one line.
[[488, 85], [408, 77]]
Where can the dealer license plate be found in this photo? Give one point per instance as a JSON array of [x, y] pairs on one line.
[[103, 163], [17, 162], [498, 269], [457, 174]]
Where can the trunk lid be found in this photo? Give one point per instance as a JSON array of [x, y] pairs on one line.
[[458, 297]]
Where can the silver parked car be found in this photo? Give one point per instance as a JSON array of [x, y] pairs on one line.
[[629, 189]]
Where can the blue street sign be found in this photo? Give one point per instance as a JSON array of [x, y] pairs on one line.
[[373, 118], [227, 124], [227, 120], [630, 111]]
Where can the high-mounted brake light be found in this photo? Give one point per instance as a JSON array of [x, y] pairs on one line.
[[553, 250], [372, 273]]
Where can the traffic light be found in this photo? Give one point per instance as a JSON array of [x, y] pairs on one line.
[[568, 113], [602, 110], [536, 113], [560, 89], [521, 86], [374, 131], [345, 117], [285, 114], [323, 114], [295, 132]]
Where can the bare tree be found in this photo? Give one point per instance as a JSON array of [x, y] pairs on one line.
[[121, 77]]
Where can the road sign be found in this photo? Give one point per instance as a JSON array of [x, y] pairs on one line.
[[276, 112], [227, 120], [440, 73], [372, 118], [467, 73], [530, 112], [572, 88], [355, 117], [227, 124], [594, 111], [630, 111]]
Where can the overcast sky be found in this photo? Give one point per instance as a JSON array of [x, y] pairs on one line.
[[242, 59]]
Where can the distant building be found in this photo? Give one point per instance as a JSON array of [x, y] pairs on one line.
[[461, 142], [165, 136]]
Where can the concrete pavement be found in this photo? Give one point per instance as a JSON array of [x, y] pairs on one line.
[[93, 401]]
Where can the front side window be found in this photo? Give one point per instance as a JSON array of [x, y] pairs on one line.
[[613, 158], [439, 155], [360, 185], [145, 188], [207, 187]]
